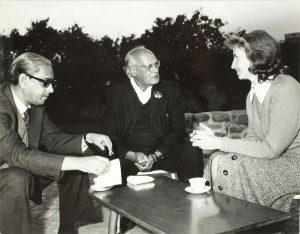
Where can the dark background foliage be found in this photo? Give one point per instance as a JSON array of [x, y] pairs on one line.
[[191, 51]]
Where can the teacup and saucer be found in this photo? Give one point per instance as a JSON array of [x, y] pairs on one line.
[[197, 185]]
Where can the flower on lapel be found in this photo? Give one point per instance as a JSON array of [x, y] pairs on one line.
[[157, 94]]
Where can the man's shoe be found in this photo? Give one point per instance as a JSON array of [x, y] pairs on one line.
[[126, 224], [67, 228]]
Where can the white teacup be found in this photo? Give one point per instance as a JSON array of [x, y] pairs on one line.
[[197, 184]]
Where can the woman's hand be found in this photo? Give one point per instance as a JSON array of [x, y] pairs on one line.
[[204, 130], [205, 141]]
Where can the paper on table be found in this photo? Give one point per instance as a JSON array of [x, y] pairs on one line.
[[152, 172], [171, 175], [110, 178]]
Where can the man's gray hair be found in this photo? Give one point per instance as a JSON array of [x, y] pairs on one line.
[[27, 62], [130, 58]]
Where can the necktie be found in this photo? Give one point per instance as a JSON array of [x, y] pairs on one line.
[[27, 117]]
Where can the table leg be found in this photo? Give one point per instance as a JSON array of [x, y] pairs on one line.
[[112, 225]]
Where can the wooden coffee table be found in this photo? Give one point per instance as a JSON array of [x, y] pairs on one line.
[[163, 206]]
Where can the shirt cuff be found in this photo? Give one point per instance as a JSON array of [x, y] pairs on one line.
[[84, 146]]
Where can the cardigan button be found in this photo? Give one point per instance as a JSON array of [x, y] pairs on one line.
[[225, 172], [234, 157], [220, 187]]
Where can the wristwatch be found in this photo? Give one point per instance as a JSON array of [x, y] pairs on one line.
[[155, 157]]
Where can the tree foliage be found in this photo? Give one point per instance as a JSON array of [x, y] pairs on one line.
[[188, 49], [191, 51], [78, 59]]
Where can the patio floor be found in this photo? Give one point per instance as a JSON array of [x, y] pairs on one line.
[[45, 217]]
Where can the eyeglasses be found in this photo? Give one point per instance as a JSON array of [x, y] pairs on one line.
[[46, 82], [244, 35], [150, 67]]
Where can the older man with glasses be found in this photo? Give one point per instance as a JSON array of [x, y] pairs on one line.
[[144, 117], [34, 152]]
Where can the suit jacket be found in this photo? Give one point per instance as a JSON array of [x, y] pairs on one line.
[[47, 145], [166, 115]]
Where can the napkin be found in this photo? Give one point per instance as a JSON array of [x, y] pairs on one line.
[[138, 187], [110, 178], [139, 179]]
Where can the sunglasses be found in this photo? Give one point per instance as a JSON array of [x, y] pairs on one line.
[[46, 82]]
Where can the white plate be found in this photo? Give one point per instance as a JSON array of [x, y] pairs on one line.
[[190, 190], [139, 179], [100, 189]]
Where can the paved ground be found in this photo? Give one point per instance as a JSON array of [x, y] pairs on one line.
[[45, 217]]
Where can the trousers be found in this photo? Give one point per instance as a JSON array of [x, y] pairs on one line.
[[17, 187], [184, 159]]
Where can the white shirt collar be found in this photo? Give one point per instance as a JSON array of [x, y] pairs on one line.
[[20, 105], [260, 90], [143, 96]]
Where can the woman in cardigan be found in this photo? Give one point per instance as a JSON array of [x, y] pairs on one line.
[[264, 167]]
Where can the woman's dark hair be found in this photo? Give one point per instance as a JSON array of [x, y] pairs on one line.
[[27, 62], [262, 50]]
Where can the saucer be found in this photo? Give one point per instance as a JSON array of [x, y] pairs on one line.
[[100, 189], [190, 190]]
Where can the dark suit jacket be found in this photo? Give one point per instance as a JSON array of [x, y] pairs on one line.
[[42, 134], [166, 115]]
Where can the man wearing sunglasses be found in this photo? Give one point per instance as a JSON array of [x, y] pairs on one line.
[[144, 117], [34, 152]]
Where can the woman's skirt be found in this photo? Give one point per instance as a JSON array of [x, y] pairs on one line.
[[269, 182]]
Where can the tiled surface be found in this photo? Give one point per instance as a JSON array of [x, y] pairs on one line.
[[45, 217]]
